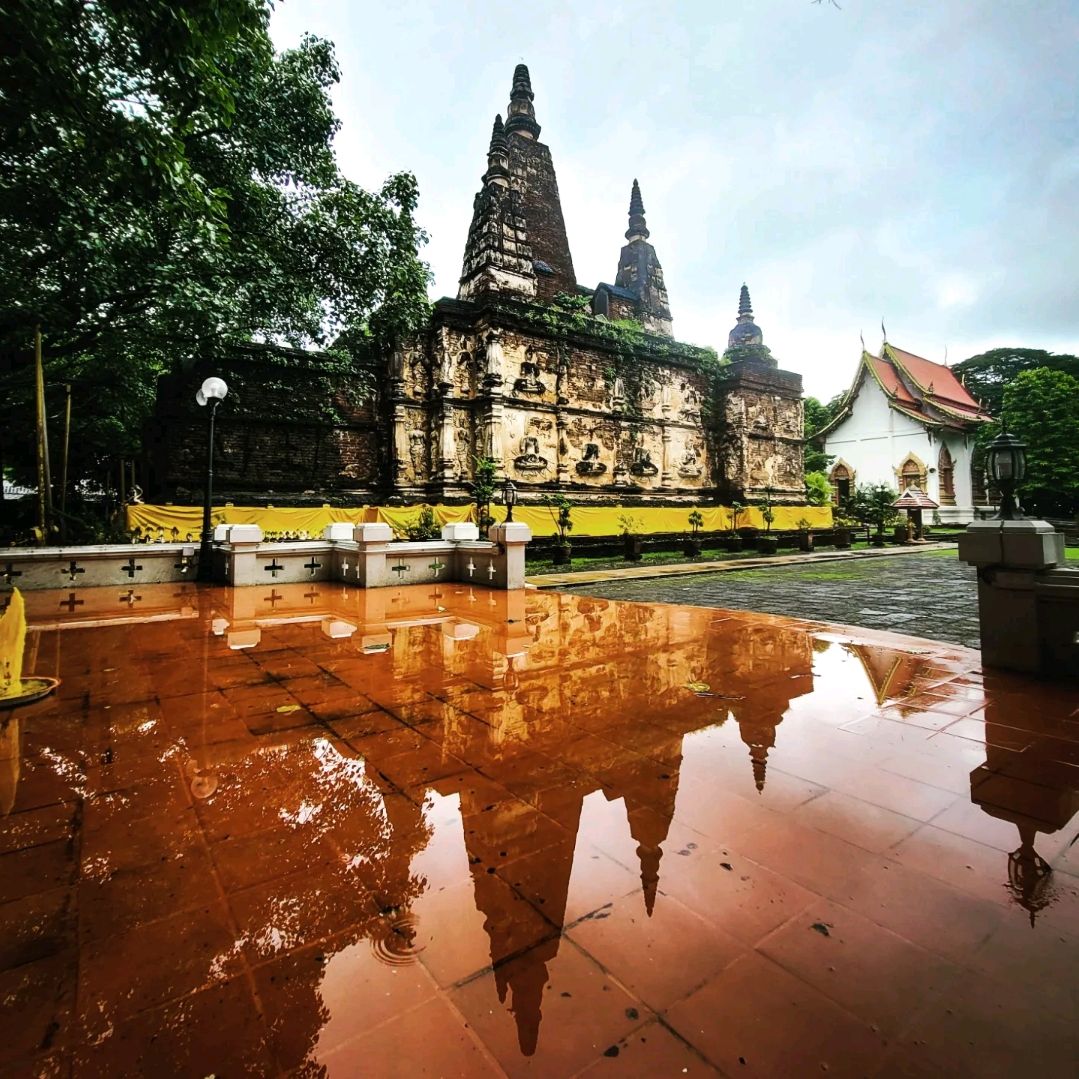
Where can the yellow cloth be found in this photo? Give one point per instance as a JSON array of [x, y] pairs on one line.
[[587, 520]]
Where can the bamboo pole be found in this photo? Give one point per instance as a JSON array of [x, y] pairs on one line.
[[44, 476], [63, 471]]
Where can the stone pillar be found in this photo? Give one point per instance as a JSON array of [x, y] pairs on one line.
[[241, 565], [492, 431], [401, 450], [372, 542], [561, 465], [1009, 556], [447, 445], [510, 566], [665, 471]]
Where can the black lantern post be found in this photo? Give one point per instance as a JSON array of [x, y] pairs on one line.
[[1007, 461], [509, 498], [212, 393]]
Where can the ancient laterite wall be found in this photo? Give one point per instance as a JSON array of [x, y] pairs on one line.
[[288, 430], [602, 420]]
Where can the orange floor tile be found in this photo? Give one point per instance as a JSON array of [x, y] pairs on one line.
[[444, 831]]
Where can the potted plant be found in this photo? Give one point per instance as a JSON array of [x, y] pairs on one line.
[[631, 540], [691, 547], [805, 535], [483, 491], [841, 532], [767, 543], [560, 508], [733, 540], [875, 508]]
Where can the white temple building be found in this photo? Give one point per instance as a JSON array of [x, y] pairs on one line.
[[909, 422]]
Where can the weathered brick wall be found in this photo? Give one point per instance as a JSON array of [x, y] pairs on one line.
[[534, 178], [288, 429]]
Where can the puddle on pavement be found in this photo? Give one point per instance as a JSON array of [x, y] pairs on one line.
[[271, 828]]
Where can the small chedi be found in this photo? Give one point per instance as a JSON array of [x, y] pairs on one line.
[[571, 389]]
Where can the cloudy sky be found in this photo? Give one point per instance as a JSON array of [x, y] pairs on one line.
[[911, 160]]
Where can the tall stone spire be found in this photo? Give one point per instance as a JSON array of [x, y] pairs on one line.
[[498, 255], [639, 271], [521, 115]]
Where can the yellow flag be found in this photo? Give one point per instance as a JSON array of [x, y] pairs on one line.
[[12, 643]]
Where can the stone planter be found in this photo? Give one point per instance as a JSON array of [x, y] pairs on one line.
[[841, 538], [691, 548], [877, 540], [631, 548], [767, 543], [899, 534], [563, 553], [805, 541], [733, 542]]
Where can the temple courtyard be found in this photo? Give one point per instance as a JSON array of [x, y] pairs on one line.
[[441, 830], [929, 594]]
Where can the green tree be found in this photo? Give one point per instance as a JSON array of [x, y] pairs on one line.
[[872, 505], [1042, 407], [483, 491], [818, 416], [168, 185], [988, 374]]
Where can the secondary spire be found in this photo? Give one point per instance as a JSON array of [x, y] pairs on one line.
[[637, 228]]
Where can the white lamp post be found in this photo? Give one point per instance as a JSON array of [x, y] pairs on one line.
[[211, 393]]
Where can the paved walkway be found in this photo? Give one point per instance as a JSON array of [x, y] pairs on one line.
[[906, 590]]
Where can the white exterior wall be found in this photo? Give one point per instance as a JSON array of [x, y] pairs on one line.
[[875, 439]]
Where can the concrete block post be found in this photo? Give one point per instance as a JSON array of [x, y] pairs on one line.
[[241, 565], [510, 567], [1009, 557], [372, 543]]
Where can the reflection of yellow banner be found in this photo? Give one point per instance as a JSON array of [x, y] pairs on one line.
[[587, 520]]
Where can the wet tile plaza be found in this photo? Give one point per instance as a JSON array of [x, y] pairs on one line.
[[452, 832]]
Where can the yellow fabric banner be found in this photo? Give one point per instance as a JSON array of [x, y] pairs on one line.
[[160, 521]]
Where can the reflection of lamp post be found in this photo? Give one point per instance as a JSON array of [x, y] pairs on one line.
[[509, 498], [212, 393], [1007, 461]]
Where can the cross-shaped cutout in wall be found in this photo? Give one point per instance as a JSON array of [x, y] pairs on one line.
[[10, 573], [399, 569], [471, 567], [491, 570], [131, 569], [312, 566], [273, 568], [437, 567], [344, 567], [73, 568], [71, 602], [183, 566]]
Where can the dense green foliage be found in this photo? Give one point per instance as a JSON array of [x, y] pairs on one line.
[[168, 185], [1041, 406], [818, 416], [987, 375], [562, 512], [818, 489], [483, 491]]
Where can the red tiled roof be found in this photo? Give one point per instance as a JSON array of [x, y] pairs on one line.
[[889, 378], [913, 498], [934, 379]]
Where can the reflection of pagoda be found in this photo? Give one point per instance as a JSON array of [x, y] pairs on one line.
[[769, 666], [893, 675], [1032, 789]]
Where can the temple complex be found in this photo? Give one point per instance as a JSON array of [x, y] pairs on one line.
[[572, 389]]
